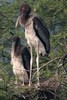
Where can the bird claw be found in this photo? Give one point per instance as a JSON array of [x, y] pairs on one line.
[[23, 84], [30, 83], [37, 85]]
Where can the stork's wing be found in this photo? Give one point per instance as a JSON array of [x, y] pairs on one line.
[[26, 59], [42, 32]]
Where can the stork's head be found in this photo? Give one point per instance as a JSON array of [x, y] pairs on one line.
[[16, 40], [17, 45], [25, 10]]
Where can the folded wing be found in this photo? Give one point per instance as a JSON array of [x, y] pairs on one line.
[[42, 32]]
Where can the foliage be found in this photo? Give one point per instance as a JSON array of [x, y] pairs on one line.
[[54, 14]]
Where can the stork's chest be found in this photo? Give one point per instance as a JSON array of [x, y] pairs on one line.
[[30, 34], [29, 31], [17, 61]]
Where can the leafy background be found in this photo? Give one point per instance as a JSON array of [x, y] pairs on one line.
[[54, 14]]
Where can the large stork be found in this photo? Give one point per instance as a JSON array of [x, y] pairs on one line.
[[20, 59], [36, 33]]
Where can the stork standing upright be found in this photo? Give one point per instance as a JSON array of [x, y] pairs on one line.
[[36, 33], [20, 59]]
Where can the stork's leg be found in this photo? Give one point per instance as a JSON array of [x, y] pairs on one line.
[[37, 62], [31, 62], [23, 79], [16, 79]]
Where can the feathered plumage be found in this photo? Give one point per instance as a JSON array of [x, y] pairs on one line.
[[36, 33], [20, 59], [42, 33]]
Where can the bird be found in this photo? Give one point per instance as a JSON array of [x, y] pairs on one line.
[[36, 33], [20, 60]]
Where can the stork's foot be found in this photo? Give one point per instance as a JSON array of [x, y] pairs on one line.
[[30, 83], [37, 85], [23, 84]]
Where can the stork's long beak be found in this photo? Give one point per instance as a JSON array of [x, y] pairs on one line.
[[18, 21]]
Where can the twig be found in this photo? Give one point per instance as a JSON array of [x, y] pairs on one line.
[[46, 64]]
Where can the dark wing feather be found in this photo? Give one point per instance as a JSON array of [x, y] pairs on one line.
[[26, 59], [42, 32]]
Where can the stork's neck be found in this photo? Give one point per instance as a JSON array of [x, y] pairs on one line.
[[16, 49], [24, 19], [29, 20]]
